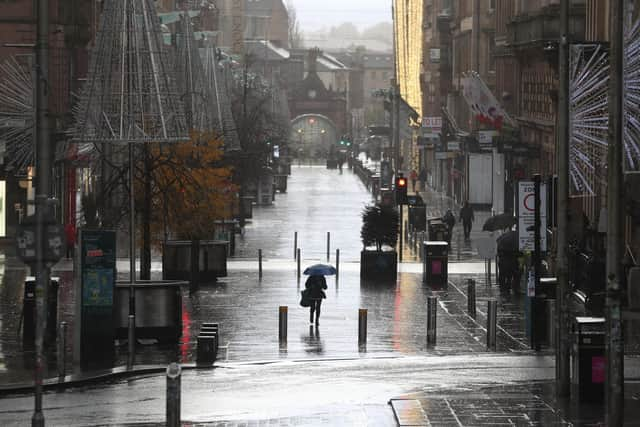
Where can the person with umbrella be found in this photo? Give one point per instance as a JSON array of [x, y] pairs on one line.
[[508, 265], [315, 286]]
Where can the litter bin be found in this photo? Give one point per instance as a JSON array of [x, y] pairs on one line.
[[434, 267], [29, 310], [438, 230], [588, 359], [539, 315]]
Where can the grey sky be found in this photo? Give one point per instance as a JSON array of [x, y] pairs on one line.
[[316, 14]]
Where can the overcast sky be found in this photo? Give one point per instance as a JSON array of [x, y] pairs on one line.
[[316, 14]]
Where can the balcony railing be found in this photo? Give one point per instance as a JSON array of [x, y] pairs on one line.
[[544, 26]]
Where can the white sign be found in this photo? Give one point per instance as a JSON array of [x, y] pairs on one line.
[[487, 247], [453, 146], [434, 55], [526, 216], [434, 124], [485, 138]]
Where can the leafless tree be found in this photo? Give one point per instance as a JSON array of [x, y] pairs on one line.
[[296, 36]]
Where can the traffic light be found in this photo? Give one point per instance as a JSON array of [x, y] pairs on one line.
[[401, 190]]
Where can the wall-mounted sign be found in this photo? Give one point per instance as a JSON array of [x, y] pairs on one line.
[[432, 124], [434, 55], [453, 146]]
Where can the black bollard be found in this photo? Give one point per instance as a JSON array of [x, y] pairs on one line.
[[260, 263], [362, 327], [174, 373], [337, 263], [295, 245], [132, 341], [471, 298], [492, 311], [328, 245], [282, 323], [432, 312], [62, 349]]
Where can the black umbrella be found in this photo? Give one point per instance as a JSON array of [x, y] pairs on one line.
[[503, 221]]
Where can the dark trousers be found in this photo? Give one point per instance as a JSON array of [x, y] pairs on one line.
[[467, 228], [315, 306]]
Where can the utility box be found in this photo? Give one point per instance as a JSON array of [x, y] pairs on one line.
[[588, 364], [29, 311], [435, 264], [438, 230]]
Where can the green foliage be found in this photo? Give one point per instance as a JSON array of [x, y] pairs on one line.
[[379, 226]]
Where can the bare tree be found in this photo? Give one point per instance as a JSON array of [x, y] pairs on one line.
[[296, 36]]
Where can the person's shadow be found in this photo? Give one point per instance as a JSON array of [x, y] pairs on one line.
[[312, 342]]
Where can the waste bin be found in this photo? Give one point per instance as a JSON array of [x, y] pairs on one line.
[[29, 310], [588, 359], [438, 230], [434, 267], [538, 313]]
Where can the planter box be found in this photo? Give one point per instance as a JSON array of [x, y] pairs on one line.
[[177, 263], [158, 306], [378, 266]]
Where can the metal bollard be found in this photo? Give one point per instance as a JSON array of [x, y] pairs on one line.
[[492, 320], [282, 323], [260, 263], [174, 372], [62, 349], [132, 341], [432, 312], [551, 323], [362, 326], [298, 263], [458, 240], [295, 244], [471, 298], [337, 263], [328, 245]]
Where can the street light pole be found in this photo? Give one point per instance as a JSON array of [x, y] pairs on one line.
[[43, 169], [563, 289], [614, 394]]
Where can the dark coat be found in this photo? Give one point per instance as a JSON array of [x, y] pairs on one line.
[[466, 214], [316, 284]]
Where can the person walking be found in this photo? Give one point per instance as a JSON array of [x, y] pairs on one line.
[[450, 220], [413, 176], [70, 234], [466, 216], [315, 284], [422, 178]]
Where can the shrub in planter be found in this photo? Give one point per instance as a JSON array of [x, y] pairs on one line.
[[379, 231]]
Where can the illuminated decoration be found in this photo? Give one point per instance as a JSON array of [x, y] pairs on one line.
[[17, 115], [588, 117], [407, 22], [631, 92]]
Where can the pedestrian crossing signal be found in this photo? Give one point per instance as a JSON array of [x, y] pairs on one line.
[[401, 190]]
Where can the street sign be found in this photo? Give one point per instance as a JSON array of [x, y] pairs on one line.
[[526, 216], [53, 241], [432, 124]]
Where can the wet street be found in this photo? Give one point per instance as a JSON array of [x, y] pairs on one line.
[[320, 373]]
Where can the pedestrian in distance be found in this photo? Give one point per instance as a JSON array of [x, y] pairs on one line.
[[70, 235], [315, 285], [450, 220], [466, 216], [413, 176], [422, 179]]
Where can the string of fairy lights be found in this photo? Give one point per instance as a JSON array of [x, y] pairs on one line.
[[408, 47]]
